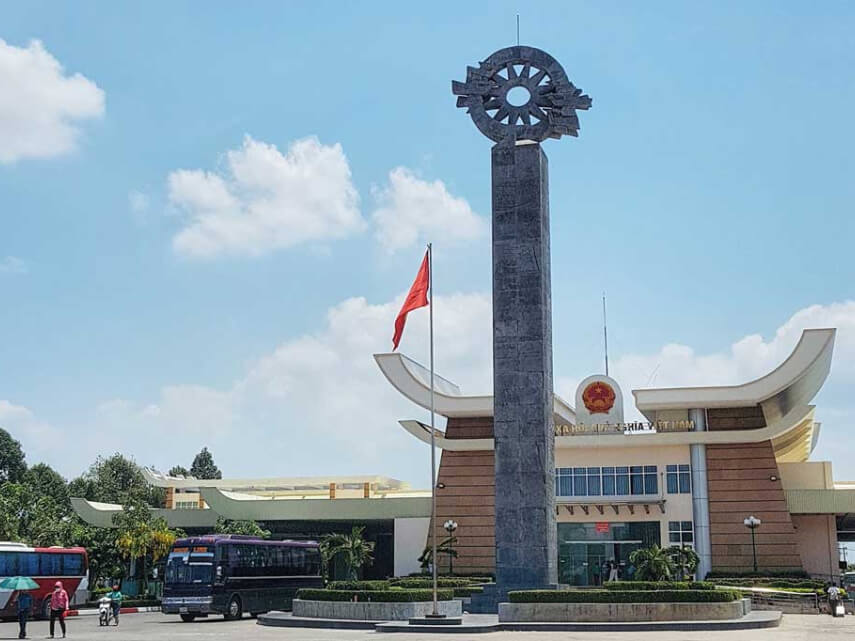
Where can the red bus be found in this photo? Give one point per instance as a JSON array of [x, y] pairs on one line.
[[45, 566]]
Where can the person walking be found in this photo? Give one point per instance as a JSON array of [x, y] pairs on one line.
[[58, 607], [613, 570], [25, 606], [833, 599]]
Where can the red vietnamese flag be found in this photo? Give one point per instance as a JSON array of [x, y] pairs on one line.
[[415, 299]]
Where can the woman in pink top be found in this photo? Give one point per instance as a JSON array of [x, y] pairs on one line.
[[58, 606]]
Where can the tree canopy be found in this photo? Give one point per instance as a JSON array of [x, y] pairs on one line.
[[45, 481], [12, 464], [248, 528], [203, 466], [178, 470], [116, 480]]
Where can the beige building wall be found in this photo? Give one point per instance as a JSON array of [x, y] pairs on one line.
[[816, 535], [814, 475], [678, 507]]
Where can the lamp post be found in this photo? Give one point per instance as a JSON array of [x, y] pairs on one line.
[[752, 523], [450, 526]]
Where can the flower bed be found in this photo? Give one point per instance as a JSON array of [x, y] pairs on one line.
[[428, 583]]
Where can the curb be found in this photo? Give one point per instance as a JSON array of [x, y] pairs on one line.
[[88, 612]]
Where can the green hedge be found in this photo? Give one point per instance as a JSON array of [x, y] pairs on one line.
[[765, 574], [769, 582], [425, 584], [468, 590], [378, 596], [658, 585], [475, 578], [358, 585], [628, 596]]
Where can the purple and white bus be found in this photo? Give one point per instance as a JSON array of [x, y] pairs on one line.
[[231, 574]]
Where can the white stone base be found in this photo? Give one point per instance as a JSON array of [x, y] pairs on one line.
[[620, 612], [372, 611]]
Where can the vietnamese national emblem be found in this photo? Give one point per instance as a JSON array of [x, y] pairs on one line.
[[599, 397]]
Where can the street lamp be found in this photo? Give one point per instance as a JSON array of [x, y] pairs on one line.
[[752, 523], [450, 526]]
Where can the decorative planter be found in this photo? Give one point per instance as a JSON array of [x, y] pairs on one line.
[[619, 612], [372, 610]]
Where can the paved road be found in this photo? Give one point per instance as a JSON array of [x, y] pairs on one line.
[[157, 627]]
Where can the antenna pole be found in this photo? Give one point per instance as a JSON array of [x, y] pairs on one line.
[[518, 30], [605, 335]]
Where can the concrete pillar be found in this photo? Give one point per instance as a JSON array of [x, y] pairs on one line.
[[526, 551], [700, 495], [332, 490]]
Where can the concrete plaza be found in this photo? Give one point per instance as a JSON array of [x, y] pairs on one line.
[[156, 627]]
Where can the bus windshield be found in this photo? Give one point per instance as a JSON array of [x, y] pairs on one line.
[[182, 566]]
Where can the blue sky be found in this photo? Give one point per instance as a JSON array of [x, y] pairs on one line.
[[709, 194]]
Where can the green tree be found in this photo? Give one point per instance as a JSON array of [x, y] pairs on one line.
[[28, 517], [141, 536], [12, 464], [685, 560], [652, 564], [203, 466], [116, 479], [353, 548], [247, 528], [178, 470], [45, 481]]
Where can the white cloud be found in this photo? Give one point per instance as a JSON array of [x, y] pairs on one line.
[[39, 440], [40, 105], [410, 209], [138, 201], [13, 265], [264, 200]]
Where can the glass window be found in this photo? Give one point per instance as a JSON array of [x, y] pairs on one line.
[[28, 564], [593, 481], [636, 480], [608, 481], [685, 479], [563, 481], [298, 561], [651, 482], [9, 564], [679, 479], [50, 564], [580, 482], [622, 480], [680, 533]]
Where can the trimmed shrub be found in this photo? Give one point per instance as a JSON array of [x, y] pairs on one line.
[[477, 578], [628, 596], [783, 574], [468, 590], [427, 584], [769, 582], [658, 585], [358, 585], [377, 596]]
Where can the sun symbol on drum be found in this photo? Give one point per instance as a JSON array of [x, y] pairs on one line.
[[598, 397], [521, 93]]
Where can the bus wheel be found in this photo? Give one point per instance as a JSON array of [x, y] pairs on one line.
[[188, 618], [235, 610]]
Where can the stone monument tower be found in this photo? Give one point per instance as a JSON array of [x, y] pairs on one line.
[[526, 554]]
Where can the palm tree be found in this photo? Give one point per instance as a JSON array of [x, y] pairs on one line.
[[652, 564], [446, 547], [685, 559], [356, 551]]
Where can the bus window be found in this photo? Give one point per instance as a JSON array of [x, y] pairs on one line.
[[313, 561], [28, 564], [50, 564], [9, 564], [298, 561], [72, 564]]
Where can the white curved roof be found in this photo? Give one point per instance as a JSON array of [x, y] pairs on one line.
[[413, 381], [792, 384]]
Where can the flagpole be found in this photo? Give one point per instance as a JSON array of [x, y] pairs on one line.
[[432, 435]]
